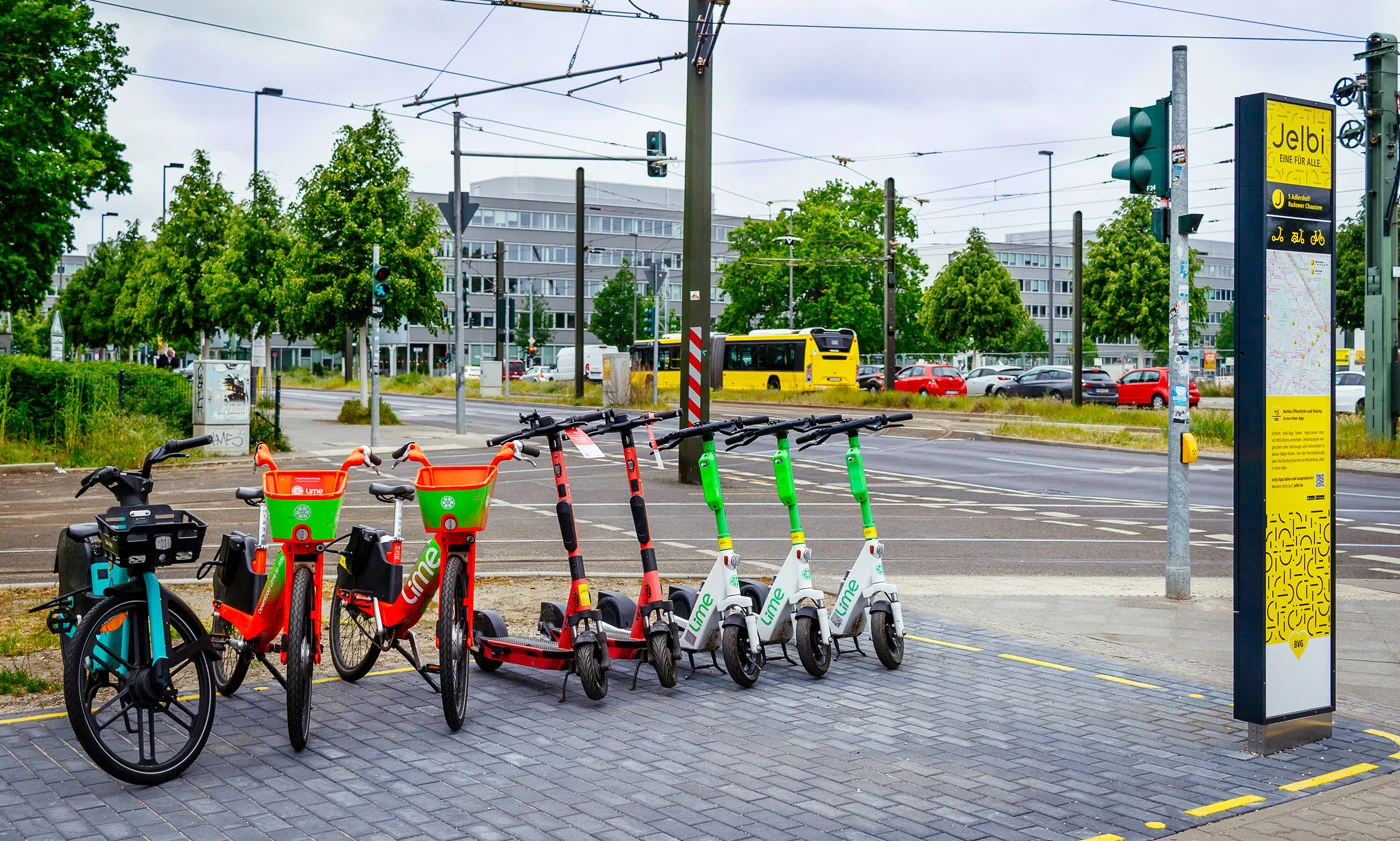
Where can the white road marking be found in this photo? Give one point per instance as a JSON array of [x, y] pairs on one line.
[[1384, 559], [1391, 571], [968, 510], [1164, 528], [1226, 537], [1123, 522], [1109, 528], [1377, 529], [1064, 514], [1066, 523]]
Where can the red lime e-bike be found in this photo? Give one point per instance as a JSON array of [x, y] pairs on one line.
[[573, 640]]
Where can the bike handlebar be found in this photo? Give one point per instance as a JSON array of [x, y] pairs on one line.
[[128, 486], [671, 439], [398, 454], [852, 427], [537, 425], [619, 421], [748, 436]]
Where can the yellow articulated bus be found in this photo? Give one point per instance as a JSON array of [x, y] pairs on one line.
[[788, 360]]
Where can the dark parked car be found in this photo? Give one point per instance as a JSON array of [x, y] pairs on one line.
[[870, 377], [1099, 387], [1057, 383]]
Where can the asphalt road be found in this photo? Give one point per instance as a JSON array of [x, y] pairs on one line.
[[944, 505]]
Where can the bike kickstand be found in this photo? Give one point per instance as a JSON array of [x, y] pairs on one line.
[[785, 654], [859, 650], [637, 671], [262, 658], [414, 660], [691, 655], [836, 647], [564, 695]]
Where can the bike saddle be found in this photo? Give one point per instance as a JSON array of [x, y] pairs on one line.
[[249, 494], [386, 492], [82, 531]]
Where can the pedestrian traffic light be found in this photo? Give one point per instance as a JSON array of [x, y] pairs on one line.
[[1148, 166], [379, 290], [654, 278], [656, 148]]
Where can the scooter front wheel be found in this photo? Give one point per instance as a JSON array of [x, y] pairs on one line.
[[743, 664], [811, 650], [659, 651], [590, 671], [889, 643]]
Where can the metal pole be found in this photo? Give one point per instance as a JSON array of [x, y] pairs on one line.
[[578, 283], [1382, 296], [1078, 314], [634, 287], [791, 312], [889, 284], [277, 408], [255, 136], [1050, 244], [459, 344], [374, 371], [656, 341], [500, 299], [163, 170], [505, 370], [1178, 476]]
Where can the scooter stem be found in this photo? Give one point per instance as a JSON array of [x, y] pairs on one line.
[[855, 469], [787, 488], [714, 495]]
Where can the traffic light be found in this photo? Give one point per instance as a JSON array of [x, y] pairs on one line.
[[379, 290], [654, 278], [648, 318], [656, 148], [505, 313], [1148, 166]]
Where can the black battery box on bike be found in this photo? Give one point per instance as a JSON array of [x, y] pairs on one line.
[[236, 584], [366, 567]]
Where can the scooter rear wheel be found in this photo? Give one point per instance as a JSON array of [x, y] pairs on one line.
[[590, 672], [743, 665], [889, 643], [814, 654], [659, 650]]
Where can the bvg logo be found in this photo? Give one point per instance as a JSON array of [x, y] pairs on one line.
[[702, 610], [423, 574]]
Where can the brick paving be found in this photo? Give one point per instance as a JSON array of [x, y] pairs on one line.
[[957, 744]]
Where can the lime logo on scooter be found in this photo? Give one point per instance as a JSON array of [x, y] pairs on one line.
[[424, 574], [846, 599], [774, 601], [302, 512], [448, 502], [702, 610]]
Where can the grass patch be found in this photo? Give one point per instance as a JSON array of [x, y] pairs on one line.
[[20, 682], [1083, 435], [23, 642], [1353, 443], [355, 412], [1210, 389], [107, 437]]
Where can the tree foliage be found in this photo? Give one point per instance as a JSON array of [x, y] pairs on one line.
[[241, 284], [345, 207], [1028, 338], [1126, 284], [90, 318], [838, 279], [974, 302], [1225, 339], [170, 283], [614, 306], [542, 329], [1351, 271], [58, 71]]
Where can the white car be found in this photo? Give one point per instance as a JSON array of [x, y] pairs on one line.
[[1350, 390], [535, 374], [471, 372], [983, 381]]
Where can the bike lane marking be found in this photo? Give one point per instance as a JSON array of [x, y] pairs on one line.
[[1224, 805], [1332, 777]]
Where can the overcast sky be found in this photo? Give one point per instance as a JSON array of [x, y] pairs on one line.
[[812, 92]]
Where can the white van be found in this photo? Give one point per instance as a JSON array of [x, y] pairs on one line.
[[592, 363]]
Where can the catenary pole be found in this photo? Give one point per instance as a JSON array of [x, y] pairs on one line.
[[578, 283], [889, 284], [374, 368], [1178, 584], [458, 343], [1078, 348]]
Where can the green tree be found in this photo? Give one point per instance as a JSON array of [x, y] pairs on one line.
[[1027, 338], [614, 306], [345, 207], [91, 317], [58, 71], [1351, 271], [170, 283], [542, 328], [31, 333], [1225, 339], [838, 278], [974, 302], [1126, 284], [241, 284]]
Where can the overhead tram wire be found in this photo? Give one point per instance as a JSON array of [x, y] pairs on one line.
[[1233, 19], [938, 30], [416, 66], [468, 40]]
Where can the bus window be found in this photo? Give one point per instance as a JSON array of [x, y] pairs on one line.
[[833, 342]]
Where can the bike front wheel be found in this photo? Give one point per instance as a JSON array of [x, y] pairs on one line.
[[301, 658], [142, 722], [353, 647], [452, 642]]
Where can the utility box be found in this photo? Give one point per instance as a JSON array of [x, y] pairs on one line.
[[491, 376], [617, 379], [221, 405]]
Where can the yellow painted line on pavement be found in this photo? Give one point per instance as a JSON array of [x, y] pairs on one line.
[[1195, 695], [1324, 779], [1106, 837], [1044, 663], [1126, 682], [944, 643], [333, 678], [1224, 805], [41, 717], [1155, 825], [1384, 735]]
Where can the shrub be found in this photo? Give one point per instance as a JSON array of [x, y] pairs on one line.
[[353, 411], [46, 401], [262, 430], [20, 682]]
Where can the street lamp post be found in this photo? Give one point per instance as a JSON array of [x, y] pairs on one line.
[[256, 94], [1050, 242], [634, 287], [162, 186], [102, 223]]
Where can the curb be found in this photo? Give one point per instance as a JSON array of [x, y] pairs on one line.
[[31, 467], [987, 436]]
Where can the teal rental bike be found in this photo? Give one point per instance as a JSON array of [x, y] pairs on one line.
[[138, 663], [865, 597]]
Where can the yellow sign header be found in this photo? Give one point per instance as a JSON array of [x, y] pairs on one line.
[[1298, 145]]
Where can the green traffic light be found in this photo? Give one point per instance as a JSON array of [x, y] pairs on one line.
[[1147, 167]]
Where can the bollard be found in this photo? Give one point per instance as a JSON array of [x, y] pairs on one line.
[[277, 408], [121, 390]]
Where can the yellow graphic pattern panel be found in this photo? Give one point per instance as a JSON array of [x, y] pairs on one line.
[[1298, 145], [1297, 573]]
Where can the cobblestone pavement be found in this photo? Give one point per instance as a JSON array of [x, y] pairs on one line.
[[979, 735], [1367, 811]]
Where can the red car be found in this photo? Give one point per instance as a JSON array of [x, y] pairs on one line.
[[924, 379], [1148, 387]]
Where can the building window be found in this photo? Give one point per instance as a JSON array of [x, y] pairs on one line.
[[1034, 285], [1064, 312], [1064, 286], [563, 320], [1036, 310], [1063, 337]]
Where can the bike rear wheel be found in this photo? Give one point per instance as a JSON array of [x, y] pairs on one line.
[[232, 668], [301, 649], [743, 665], [814, 654], [353, 649], [659, 652], [452, 642], [136, 726], [889, 643]]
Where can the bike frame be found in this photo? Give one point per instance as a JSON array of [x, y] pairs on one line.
[[777, 620], [865, 580]]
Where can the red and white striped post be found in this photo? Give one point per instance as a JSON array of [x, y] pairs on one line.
[[692, 378]]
